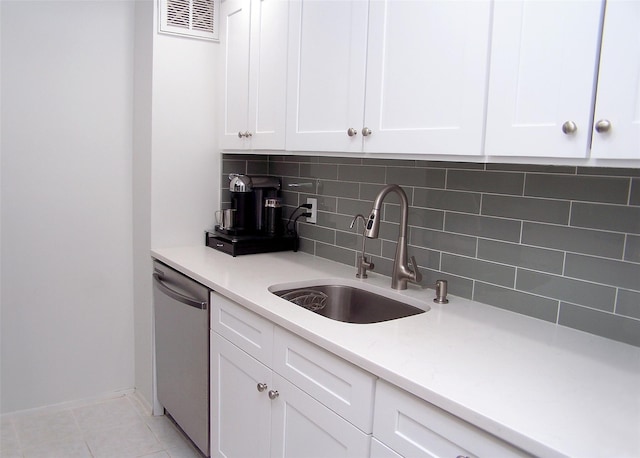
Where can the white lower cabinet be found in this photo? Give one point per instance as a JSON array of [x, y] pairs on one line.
[[413, 427], [256, 412], [274, 394]]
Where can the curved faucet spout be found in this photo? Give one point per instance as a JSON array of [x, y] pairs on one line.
[[373, 224], [401, 271]]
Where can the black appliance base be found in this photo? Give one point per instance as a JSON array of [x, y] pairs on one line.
[[236, 245]]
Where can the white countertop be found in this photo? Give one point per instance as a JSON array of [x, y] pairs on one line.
[[548, 389]]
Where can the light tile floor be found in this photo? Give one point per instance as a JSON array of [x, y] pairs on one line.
[[114, 428]]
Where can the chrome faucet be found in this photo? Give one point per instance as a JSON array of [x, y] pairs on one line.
[[363, 263], [401, 272]]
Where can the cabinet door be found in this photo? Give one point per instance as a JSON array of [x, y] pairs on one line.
[[618, 99], [302, 427], [327, 58], [235, 39], [543, 62], [268, 75], [426, 76], [240, 414], [254, 38]]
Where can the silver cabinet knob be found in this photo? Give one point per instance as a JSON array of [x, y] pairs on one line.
[[351, 132], [569, 127], [262, 387], [273, 394], [603, 126], [366, 131], [244, 134], [240, 134]]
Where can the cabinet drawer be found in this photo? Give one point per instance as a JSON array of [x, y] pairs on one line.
[[248, 331], [339, 385], [413, 427]]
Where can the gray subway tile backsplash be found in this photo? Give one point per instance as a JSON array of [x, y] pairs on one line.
[[526, 208], [632, 248], [514, 254], [604, 324], [483, 226], [490, 272], [613, 190], [628, 303], [486, 181], [619, 218], [321, 171], [466, 202], [362, 173], [634, 196], [516, 301], [416, 176], [338, 188], [577, 240], [607, 271], [558, 243], [443, 241], [567, 289]]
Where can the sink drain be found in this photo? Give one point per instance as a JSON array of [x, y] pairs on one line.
[[307, 298]]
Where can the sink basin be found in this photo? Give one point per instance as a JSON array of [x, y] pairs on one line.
[[348, 303]]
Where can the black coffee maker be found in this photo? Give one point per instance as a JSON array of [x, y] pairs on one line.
[[256, 225], [249, 194]]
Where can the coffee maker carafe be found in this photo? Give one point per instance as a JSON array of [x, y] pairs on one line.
[[248, 195]]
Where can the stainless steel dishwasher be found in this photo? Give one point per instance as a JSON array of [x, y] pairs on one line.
[[182, 351]]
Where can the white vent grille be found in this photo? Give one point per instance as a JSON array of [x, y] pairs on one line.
[[192, 18]]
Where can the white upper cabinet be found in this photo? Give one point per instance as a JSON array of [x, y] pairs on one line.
[[387, 76], [254, 40], [426, 76], [616, 133], [541, 86], [327, 66]]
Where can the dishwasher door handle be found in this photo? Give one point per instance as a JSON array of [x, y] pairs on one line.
[[178, 296]]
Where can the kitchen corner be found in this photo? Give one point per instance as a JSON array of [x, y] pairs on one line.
[[545, 388]]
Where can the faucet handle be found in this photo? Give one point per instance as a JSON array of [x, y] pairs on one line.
[[417, 276]]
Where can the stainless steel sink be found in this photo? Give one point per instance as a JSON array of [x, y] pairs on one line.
[[348, 303]]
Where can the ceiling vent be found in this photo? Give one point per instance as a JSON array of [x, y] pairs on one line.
[[190, 18]]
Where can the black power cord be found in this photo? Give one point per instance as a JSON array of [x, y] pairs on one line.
[[307, 214]]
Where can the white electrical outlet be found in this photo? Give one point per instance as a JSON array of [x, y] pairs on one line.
[[313, 210]]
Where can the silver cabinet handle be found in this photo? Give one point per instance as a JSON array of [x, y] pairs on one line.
[[262, 387], [351, 132], [569, 128], [366, 131], [273, 394], [202, 305], [603, 126]]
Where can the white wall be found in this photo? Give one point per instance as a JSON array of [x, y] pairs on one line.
[[185, 161], [67, 277], [108, 148], [176, 160], [143, 79]]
